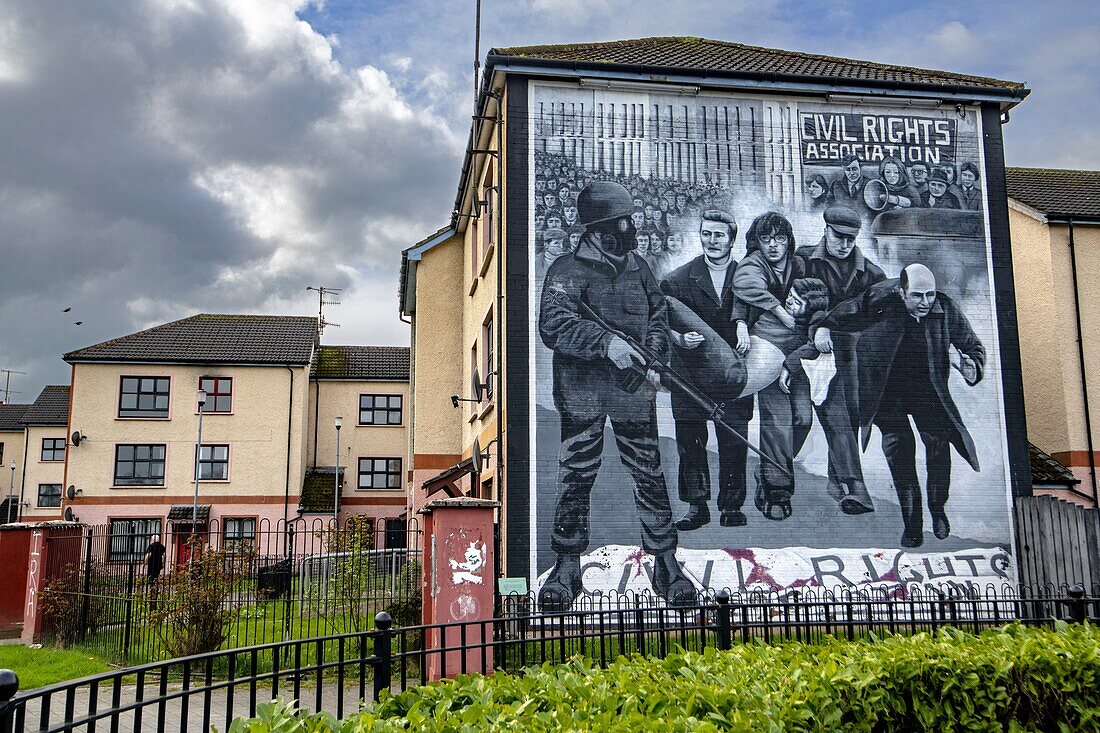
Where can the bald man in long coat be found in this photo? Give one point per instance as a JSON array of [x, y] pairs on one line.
[[906, 330]]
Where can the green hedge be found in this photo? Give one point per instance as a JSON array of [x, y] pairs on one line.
[[1010, 679]]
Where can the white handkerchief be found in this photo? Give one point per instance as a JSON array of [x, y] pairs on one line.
[[820, 372]]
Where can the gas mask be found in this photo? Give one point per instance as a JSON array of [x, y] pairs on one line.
[[619, 237]]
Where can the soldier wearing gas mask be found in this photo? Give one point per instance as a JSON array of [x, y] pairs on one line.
[[593, 382]]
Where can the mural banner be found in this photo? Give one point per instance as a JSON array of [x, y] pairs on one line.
[[764, 346], [828, 137]]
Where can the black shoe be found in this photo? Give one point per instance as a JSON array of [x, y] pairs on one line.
[[857, 500], [940, 526], [697, 515], [912, 540], [733, 519], [562, 586], [670, 583]]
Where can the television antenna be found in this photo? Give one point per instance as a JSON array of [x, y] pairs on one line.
[[325, 296], [8, 391]]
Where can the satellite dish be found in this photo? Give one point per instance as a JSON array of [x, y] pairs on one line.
[[69, 514], [875, 195], [77, 437], [70, 492], [475, 456], [475, 385]]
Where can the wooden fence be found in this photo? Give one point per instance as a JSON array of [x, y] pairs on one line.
[[1058, 543]]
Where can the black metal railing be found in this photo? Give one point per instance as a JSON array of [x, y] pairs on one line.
[[336, 672], [278, 581]]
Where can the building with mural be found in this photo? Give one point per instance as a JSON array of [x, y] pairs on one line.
[[713, 315]]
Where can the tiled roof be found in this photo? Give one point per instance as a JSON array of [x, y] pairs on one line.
[[1046, 470], [701, 54], [380, 363], [212, 338], [51, 407], [186, 512], [317, 490], [11, 417], [1056, 192]]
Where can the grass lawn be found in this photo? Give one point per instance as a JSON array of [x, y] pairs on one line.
[[41, 667]]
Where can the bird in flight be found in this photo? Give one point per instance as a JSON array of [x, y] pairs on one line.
[[67, 309], [79, 323]]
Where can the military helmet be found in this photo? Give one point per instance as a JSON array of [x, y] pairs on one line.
[[602, 201]]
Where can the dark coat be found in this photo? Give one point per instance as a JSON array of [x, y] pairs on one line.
[[586, 382], [970, 200], [691, 285], [841, 193], [947, 201], [879, 316], [819, 264]]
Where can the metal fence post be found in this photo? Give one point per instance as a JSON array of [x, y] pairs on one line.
[[725, 621], [128, 628], [86, 600], [9, 685], [1076, 603], [383, 653]]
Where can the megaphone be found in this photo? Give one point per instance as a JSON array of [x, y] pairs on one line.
[[876, 195]]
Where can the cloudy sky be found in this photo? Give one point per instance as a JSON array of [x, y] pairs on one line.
[[164, 157]]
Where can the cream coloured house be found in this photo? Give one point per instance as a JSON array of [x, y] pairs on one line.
[[267, 415]]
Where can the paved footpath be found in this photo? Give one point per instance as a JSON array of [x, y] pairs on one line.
[[192, 706]]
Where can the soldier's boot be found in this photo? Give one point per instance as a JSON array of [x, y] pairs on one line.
[[669, 581], [940, 526], [773, 492], [697, 515], [912, 515], [562, 586], [857, 500]]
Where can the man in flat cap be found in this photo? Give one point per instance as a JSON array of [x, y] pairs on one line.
[[838, 261], [937, 196], [593, 384]]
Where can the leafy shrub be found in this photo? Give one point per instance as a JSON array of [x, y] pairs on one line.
[[193, 614], [1015, 678]]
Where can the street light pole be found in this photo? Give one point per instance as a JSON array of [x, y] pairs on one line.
[[198, 451], [11, 489], [336, 493]]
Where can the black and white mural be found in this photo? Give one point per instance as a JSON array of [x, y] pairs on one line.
[[764, 346]]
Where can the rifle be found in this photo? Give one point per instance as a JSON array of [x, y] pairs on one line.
[[637, 373]]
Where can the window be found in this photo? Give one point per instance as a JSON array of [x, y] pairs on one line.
[[219, 394], [213, 462], [379, 473], [380, 409], [239, 532], [49, 495], [53, 449], [1, 454], [139, 465], [143, 397], [487, 346], [131, 537]]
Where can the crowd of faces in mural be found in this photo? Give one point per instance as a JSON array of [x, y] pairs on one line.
[[640, 292]]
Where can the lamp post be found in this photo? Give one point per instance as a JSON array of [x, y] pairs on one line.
[[198, 451], [336, 493], [11, 489]]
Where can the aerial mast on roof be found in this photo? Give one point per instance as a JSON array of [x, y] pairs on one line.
[[477, 50], [325, 296], [8, 391]]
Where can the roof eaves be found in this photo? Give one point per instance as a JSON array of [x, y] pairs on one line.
[[1009, 96]]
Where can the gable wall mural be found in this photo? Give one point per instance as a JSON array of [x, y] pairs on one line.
[[764, 347]]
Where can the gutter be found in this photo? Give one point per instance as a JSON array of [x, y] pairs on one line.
[[1081, 363], [289, 431]]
